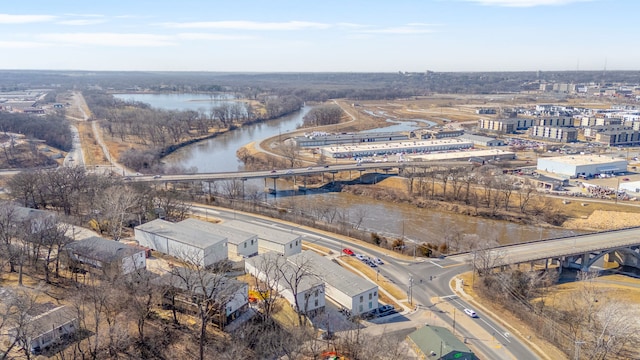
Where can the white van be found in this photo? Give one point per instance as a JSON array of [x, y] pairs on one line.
[[470, 313]]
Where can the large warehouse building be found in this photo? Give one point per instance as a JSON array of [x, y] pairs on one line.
[[586, 166], [182, 241]]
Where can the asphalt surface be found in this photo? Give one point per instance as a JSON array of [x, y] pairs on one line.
[[431, 291]]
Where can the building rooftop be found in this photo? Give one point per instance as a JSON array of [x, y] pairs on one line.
[[333, 274], [264, 232], [54, 318], [101, 249], [474, 137], [462, 154], [583, 159], [201, 282], [439, 340], [280, 263], [397, 146], [184, 233], [233, 235]]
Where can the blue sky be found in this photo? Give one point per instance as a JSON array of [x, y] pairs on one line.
[[319, 36]]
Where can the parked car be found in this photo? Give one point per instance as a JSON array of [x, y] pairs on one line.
[[470, 313], [289, 171], [157, 176], [310, 168], [348, 252], [371, 263], [378, 261], [273, 171], [385, 308], [360, 256]]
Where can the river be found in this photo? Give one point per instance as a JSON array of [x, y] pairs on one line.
[[219, 155]]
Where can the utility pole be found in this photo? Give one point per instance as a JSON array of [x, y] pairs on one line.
[[411, 290], [454, 321]]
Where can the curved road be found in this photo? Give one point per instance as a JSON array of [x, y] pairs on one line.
[[431, 280]]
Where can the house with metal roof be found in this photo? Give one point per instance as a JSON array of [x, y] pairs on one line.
[[183, 288], [270, 238], [184, 241], [46, 330], [107, 257], [356, 294], [280, 272], [240, 243], [438, 343]]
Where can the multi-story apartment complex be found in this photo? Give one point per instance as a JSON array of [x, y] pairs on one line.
[[554, 133]]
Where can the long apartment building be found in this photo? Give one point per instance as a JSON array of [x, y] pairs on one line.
[[554, 133]]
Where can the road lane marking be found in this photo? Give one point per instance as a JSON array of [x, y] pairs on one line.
[[504, 335], [438, 265]]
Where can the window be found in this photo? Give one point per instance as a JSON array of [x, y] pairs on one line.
[[370, 296], [296, 242], [370, 304], [375, 293], [361, 298], [316, 303], [360, 307], [245, 245], [290, 246], [251, 241]]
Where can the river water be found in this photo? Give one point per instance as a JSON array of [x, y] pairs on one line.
[[219, 155]]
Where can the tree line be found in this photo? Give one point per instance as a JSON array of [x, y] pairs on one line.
[[52, 128], [161, 131]]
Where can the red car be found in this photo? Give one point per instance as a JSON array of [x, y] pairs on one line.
[[348, 252]]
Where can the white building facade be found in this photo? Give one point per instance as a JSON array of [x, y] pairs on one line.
[[270, 238], [240, 244], [183, 241]]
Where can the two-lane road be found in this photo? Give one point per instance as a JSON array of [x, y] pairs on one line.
[[431, 279]]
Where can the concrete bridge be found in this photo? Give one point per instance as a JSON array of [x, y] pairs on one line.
[[575, 252]]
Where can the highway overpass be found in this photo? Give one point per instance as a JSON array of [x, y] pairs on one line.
[[579, 251]]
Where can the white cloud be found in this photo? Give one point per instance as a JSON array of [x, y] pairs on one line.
[[24, 19], [249, 25], [208, 36], [408, 29], [525, 3], [81, 22], [109, 39], [22, 44]]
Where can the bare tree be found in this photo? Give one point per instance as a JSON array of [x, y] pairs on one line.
[[291, 151], [292, 277]]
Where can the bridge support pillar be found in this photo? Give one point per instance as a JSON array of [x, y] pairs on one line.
[[275, 188]]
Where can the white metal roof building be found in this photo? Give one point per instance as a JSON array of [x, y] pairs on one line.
[[395, 147], [240, 243], [184, 241], [270, 238], [356, 294], [582, 165], [274, 269]]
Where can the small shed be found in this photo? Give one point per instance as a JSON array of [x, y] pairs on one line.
[[438, 343]]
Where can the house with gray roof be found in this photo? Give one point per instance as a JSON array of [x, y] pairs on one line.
[[354, 293], [108, 257], [185, 241], [438, 343], [45, 330], [270, 238], [183, 288]]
